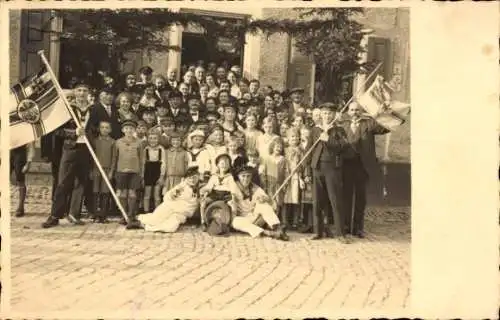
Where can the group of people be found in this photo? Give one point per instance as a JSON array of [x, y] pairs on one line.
[[172, 148]]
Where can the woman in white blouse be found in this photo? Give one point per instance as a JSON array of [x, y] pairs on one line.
[[235, 88]]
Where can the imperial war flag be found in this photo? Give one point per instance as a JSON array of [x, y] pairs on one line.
[[36, 109], [378, 103]]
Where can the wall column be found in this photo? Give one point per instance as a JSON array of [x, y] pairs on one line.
[[251, 56], [14, 45], [55, 44], [357, 86], [174, 57]]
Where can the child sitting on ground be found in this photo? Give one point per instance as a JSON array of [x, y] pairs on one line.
[[222, 182], [179, 204]]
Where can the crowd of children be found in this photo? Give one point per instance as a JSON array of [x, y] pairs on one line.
[[213, 119]]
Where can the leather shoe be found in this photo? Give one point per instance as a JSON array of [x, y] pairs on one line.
[[283, 237], [329, 233], [51, 222], [344, 240], [19, 213], [317, 237], [103, 220], [359, 234], [75, 221], [305, 229], [133, 225]]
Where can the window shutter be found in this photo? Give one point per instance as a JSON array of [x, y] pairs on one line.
[[380, 50]]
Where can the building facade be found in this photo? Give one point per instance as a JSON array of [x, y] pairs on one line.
[[274, 61]]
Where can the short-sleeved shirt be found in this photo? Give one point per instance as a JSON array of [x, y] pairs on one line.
[[129, 155]]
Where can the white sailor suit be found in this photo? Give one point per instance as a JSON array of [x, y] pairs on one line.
[[248, 209], [179, 204]]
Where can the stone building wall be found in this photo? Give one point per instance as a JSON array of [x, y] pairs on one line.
[[393, 24], [14, 45]]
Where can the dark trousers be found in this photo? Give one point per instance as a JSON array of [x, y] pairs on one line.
[[327, 197], [55, 164], [73, 176], [355, 180]]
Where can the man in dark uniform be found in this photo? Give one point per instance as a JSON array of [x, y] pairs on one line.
[[75, 163], [326, 163], [360, 162]]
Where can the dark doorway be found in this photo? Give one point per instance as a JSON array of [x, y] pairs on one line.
[[83, 60], [196, 47]]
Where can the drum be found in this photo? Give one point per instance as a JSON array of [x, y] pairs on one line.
[[218, 209]]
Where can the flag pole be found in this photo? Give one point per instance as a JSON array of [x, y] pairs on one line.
[[361, 87], [385, 161], [78, 125]]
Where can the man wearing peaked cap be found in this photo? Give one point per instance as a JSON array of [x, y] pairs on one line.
[[179, 204], [242, 111], [129, 123], [74, 166], [252, 209], [297, 101], [176, 109], [195, 112], [327, 165]]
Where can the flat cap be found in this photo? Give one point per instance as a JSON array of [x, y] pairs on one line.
[[129, 123], [330, 106], [294, 90], [244, 169], [146, 70], [191, 171], [174, 94]]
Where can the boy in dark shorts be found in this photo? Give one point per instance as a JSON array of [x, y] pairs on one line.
[[128, 162], [20, 160], [154, 170]]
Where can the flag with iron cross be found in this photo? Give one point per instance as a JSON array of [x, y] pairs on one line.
[[36, 109]]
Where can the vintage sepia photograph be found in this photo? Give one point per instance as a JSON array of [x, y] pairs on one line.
[[210, 159]]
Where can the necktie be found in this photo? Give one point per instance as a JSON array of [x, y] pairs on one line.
[[354, 126]]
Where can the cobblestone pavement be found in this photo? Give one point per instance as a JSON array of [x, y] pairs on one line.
[[105, 267]]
